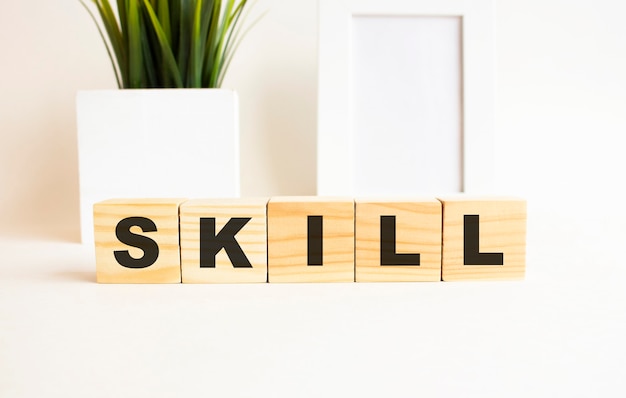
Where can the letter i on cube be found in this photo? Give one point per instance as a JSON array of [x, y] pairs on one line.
[[310, 239]]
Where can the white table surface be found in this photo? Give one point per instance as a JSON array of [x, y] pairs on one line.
[[560, 332]]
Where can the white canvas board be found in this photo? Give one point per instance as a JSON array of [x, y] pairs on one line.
[[407, 104], [340, 142]]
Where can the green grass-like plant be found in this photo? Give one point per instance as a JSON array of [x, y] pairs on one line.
[[169, 43]]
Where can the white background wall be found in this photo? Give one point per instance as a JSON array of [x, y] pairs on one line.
[[561, 101]]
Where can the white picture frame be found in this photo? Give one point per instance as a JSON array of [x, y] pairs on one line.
[[335, 149]]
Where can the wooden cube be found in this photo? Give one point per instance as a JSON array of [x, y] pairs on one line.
[[310, 239], [223, 240], [483, 238], [137, 241], [398, 240]]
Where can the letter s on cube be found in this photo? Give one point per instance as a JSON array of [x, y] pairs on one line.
[[137, 241]]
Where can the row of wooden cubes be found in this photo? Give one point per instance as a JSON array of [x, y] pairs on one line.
[[309, 239]]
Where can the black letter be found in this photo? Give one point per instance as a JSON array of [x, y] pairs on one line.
[[149, 247], [314, 240], [471, 254], [388, 255], [211, 244]]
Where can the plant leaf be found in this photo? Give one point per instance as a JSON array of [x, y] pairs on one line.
[[232, 40], [186, 19], [174, 13], [169, 43], [114, 34], [163, 12], [135, 54], [232, 49], [219, 52], [150, 55], [168, 57], [197, 48], [121, 12], [106, 45], [211, 44]]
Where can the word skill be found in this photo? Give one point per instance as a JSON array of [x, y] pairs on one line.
[[309, 239]]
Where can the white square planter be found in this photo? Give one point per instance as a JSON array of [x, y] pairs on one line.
[[156, 143]]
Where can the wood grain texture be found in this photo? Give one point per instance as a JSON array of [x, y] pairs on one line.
[[164, 214], [252, 239], [418, 230], [287, 239], [502, 223]]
